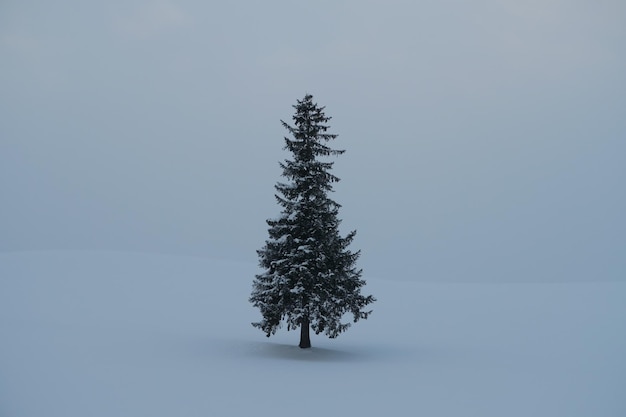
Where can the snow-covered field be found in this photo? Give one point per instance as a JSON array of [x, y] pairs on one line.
[[121, 334]]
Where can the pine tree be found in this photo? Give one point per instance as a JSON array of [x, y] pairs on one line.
[[309, 278]]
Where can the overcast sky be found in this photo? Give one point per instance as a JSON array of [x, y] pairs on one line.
[[485, 140]]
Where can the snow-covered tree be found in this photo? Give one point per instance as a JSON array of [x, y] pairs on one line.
[[309, 278]]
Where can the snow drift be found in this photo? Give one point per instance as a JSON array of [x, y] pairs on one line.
[[122, 334]]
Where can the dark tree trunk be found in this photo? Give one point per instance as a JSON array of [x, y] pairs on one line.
[[305, 338]]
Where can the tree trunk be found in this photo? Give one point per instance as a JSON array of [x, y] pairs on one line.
[[305, 339]]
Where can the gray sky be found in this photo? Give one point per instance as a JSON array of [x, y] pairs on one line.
[[485, 140]]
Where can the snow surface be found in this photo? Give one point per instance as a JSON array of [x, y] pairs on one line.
[[122, 334]]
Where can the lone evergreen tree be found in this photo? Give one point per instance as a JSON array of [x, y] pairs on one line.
[[310, 279]]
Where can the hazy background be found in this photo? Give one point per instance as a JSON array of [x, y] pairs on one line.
[[485, 140]]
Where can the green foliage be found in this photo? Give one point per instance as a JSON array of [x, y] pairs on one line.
[[308, 271]]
